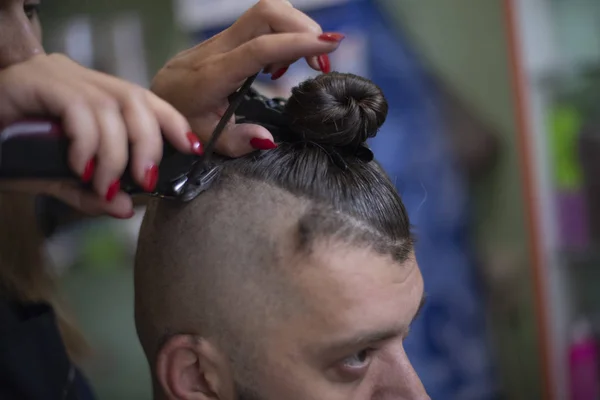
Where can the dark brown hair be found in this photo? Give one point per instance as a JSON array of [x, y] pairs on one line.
[[337, 109], [333, 113]]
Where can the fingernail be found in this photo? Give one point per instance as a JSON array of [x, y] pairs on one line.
[[195, 143], [262, 144], [88, 172], [113, 189], [123, 216], [332, 37], [151, 178], [278, 74], [324, 63]]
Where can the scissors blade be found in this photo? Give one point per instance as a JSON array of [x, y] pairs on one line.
[[195, 184], [234, 103]]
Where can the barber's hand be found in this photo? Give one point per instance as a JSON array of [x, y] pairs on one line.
[[103, 116], [270, 36]]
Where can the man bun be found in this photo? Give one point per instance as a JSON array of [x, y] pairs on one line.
[[336, 109]]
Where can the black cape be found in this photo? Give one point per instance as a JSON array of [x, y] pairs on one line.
[[33, 360]]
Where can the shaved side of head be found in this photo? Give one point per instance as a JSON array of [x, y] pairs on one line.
[[223, 265], [216, 265], [195, 260]]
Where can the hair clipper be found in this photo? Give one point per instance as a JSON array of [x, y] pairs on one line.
[[38, 149]]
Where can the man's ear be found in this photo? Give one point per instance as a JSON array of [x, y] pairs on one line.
[[189, 367]]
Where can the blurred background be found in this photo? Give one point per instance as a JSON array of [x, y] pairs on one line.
[[491, 139]]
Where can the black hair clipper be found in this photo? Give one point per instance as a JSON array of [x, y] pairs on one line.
[[38, 149]]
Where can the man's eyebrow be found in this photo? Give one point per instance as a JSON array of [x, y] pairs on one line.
[[369, 338]]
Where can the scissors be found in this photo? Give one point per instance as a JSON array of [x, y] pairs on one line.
[[38, 149]]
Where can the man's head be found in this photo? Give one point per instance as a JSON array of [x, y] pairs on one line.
[[289, 279]]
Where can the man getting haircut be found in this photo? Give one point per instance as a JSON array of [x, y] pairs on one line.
[[293, 277]]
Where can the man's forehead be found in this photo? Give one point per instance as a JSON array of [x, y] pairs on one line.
[[345, 264], [350, 296], [342, 283]]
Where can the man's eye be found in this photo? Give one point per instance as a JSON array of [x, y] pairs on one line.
[[31, 10], [354, 367], [358, 360]]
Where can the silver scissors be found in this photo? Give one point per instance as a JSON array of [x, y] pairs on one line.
[[203, 173]]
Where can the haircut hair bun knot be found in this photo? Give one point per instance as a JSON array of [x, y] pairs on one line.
[[336, 109]]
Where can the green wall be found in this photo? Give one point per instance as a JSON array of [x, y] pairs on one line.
[[160, 31]]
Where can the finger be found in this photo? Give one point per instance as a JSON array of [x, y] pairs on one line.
[[170, 122], [89, 202], [321, 62], [113, 149], [66, 101], [279, 70], [174, 126], [113, 142], [79, 124], [251, 57], [120, 207], [313, 63], [268, 16], [236, 140], [145, 138]]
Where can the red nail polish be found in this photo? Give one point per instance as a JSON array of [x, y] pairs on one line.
[[262, 144], [332, 37], [324, 63], [113, 189], [195, 143], [124, 216], [151, 178], [88, 172], [279, 73]]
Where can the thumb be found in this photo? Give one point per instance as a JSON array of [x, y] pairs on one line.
[[255, 137], [237, 139], [89, 202]]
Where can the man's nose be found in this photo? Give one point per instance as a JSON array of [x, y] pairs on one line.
[[402, 378], [413, 389], [18, 41]]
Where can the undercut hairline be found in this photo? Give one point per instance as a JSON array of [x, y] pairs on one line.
[[345, 227]]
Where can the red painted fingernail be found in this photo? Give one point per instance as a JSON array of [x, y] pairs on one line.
[[262, 144], [151, 178], [124, 216], [324, 63], [88, 172], [279, 73], [195, 143], [331, 37], [113, 189]]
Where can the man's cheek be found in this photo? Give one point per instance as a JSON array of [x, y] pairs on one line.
[[311, 388]]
